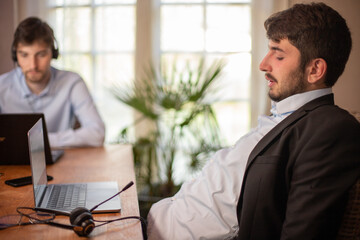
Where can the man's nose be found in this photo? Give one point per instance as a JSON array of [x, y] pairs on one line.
[[264, 65], [33, 62]]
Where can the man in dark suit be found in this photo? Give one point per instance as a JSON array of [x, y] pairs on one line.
[[289, 177]]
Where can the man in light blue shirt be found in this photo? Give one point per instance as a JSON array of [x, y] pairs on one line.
[[36, 87]]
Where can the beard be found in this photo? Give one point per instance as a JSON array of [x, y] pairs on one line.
[[294, 84], [36, 76]]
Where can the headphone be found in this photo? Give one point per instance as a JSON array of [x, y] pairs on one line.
[[81, 219]]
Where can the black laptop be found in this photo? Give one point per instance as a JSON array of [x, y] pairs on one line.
[[14, 146]]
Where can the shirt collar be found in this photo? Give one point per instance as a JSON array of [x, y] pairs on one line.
[[292, 103]]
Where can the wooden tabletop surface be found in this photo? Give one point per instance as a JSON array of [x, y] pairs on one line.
[[108, 163]]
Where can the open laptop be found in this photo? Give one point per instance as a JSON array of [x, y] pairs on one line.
[[52, 197], [14, 149]]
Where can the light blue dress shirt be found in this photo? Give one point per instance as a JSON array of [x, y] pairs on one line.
[[205, 207], [64, 98]]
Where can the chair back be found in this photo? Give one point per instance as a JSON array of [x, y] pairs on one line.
[[350, 226]]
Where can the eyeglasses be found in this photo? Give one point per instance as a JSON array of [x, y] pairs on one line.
[[25, 216]]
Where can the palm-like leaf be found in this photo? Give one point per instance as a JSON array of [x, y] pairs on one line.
[[178, 104]]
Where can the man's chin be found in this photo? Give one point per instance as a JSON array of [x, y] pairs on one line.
[[33, 77], [274, 97]]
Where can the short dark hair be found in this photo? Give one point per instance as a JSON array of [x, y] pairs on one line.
[[317, 31], [34, 29]]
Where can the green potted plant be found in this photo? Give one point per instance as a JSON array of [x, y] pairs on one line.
[[179, 103]]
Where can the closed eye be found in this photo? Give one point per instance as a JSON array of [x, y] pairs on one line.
[[42, 54]]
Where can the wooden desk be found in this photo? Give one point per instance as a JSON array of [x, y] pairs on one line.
[[109, 163]]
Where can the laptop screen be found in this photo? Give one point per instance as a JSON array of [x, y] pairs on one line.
[[14, 147], [37, 160]]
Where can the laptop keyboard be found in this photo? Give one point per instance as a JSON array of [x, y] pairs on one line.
[[67, 197]]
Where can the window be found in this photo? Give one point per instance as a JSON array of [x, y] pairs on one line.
[[97, 40], [214, 29], [101, 41]]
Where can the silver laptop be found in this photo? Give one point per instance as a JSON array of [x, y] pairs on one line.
[[63, 198]]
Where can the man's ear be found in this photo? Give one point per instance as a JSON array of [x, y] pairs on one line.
[[317, 71]]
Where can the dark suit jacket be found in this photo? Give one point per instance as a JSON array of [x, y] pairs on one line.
[[297, 177]]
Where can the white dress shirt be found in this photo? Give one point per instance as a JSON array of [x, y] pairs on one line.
[[64, 98], [205, 207]]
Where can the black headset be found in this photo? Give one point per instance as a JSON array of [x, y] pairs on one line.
[[81, 219]]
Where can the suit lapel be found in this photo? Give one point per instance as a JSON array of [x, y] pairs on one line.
[[292, 118]]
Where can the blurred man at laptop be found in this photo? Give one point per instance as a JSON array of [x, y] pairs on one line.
[[34, 86]]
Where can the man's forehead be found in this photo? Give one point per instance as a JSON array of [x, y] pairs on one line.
[[282, 45], [39, 42], [276, 42], [39, 45]]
